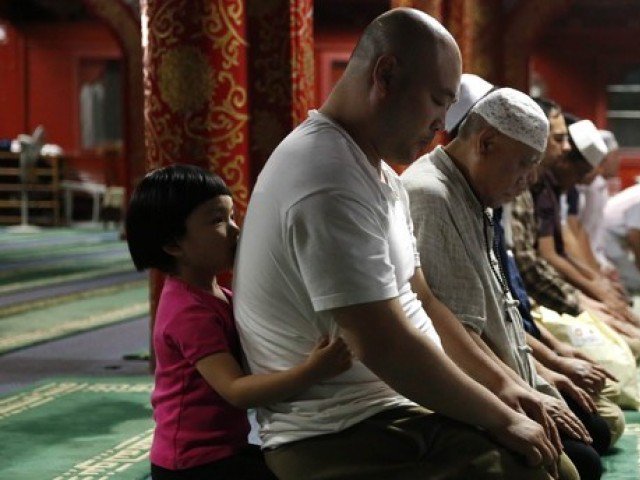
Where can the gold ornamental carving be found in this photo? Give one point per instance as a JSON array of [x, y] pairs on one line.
[[197, 101], [185, 79], [222, 25], [302, 75], [232, 172]]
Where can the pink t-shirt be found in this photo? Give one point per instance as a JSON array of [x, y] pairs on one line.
[[194, 425]]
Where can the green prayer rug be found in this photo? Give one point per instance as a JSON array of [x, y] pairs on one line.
[[53, 269], [101, 429], [23, 329], [623, 461], [77, 429], [41, 325]]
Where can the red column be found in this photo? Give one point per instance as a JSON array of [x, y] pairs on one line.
[[13, 104], [525, 27], [195, 91], [281, 67], [432, 7], [476, 27], [195, 95]]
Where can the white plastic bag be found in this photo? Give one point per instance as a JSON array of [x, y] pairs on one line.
[[596, 339]]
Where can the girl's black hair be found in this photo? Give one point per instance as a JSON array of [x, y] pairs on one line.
[[159, 208]]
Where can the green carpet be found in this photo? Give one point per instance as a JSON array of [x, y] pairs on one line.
[[101, 429], [52, 256], [39, 325], [69, 256], [77, 429], [74, 271], [624, 461]]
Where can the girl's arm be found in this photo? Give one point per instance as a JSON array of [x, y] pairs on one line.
[[223, 373]]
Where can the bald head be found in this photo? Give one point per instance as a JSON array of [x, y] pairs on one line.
[[401, 79], [406, 33]]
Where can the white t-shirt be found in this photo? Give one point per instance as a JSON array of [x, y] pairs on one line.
[[621, 214], [321, 232], [594, 198]]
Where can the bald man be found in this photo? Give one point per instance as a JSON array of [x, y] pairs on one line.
[[327, 249]]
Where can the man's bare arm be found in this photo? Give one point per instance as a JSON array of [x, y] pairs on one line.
[[465, 347], [383, 339], [456, 341]]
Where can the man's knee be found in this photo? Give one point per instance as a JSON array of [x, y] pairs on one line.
[[503, 464], [613, 417], [566, 469], [482, 458], [447, 450], [585, 458]]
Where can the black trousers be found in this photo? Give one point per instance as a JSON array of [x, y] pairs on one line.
[[585, 457], [246, 465]]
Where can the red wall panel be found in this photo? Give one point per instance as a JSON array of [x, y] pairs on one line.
[[52, 99], [332, 50], [577, 63], [54, 53], [12, 83], [574, 85], [39, 84]]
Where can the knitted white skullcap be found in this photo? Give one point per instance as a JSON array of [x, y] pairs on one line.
[[588, 141], [472, 88], [515, 115], [609, 140]]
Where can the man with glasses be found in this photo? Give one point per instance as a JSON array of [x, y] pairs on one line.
[[550, 277], [537, 218]]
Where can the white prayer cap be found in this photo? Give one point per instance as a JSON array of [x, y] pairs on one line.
[[588, 141], [472, 88], [515, 115], [609, 140]]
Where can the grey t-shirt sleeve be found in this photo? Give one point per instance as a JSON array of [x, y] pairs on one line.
[[445, 260], [338, 243]]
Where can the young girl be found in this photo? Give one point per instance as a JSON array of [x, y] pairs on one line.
[[180, 221]]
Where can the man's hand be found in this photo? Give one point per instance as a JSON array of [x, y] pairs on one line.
[[586, 375], [564, 385], [617, 321], [526, 401], [631, 317], [526, 437], [565, 349], [611, 273], [564, 418], [604, 292]]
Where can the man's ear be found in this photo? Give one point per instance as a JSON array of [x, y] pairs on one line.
[[384, 71]]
